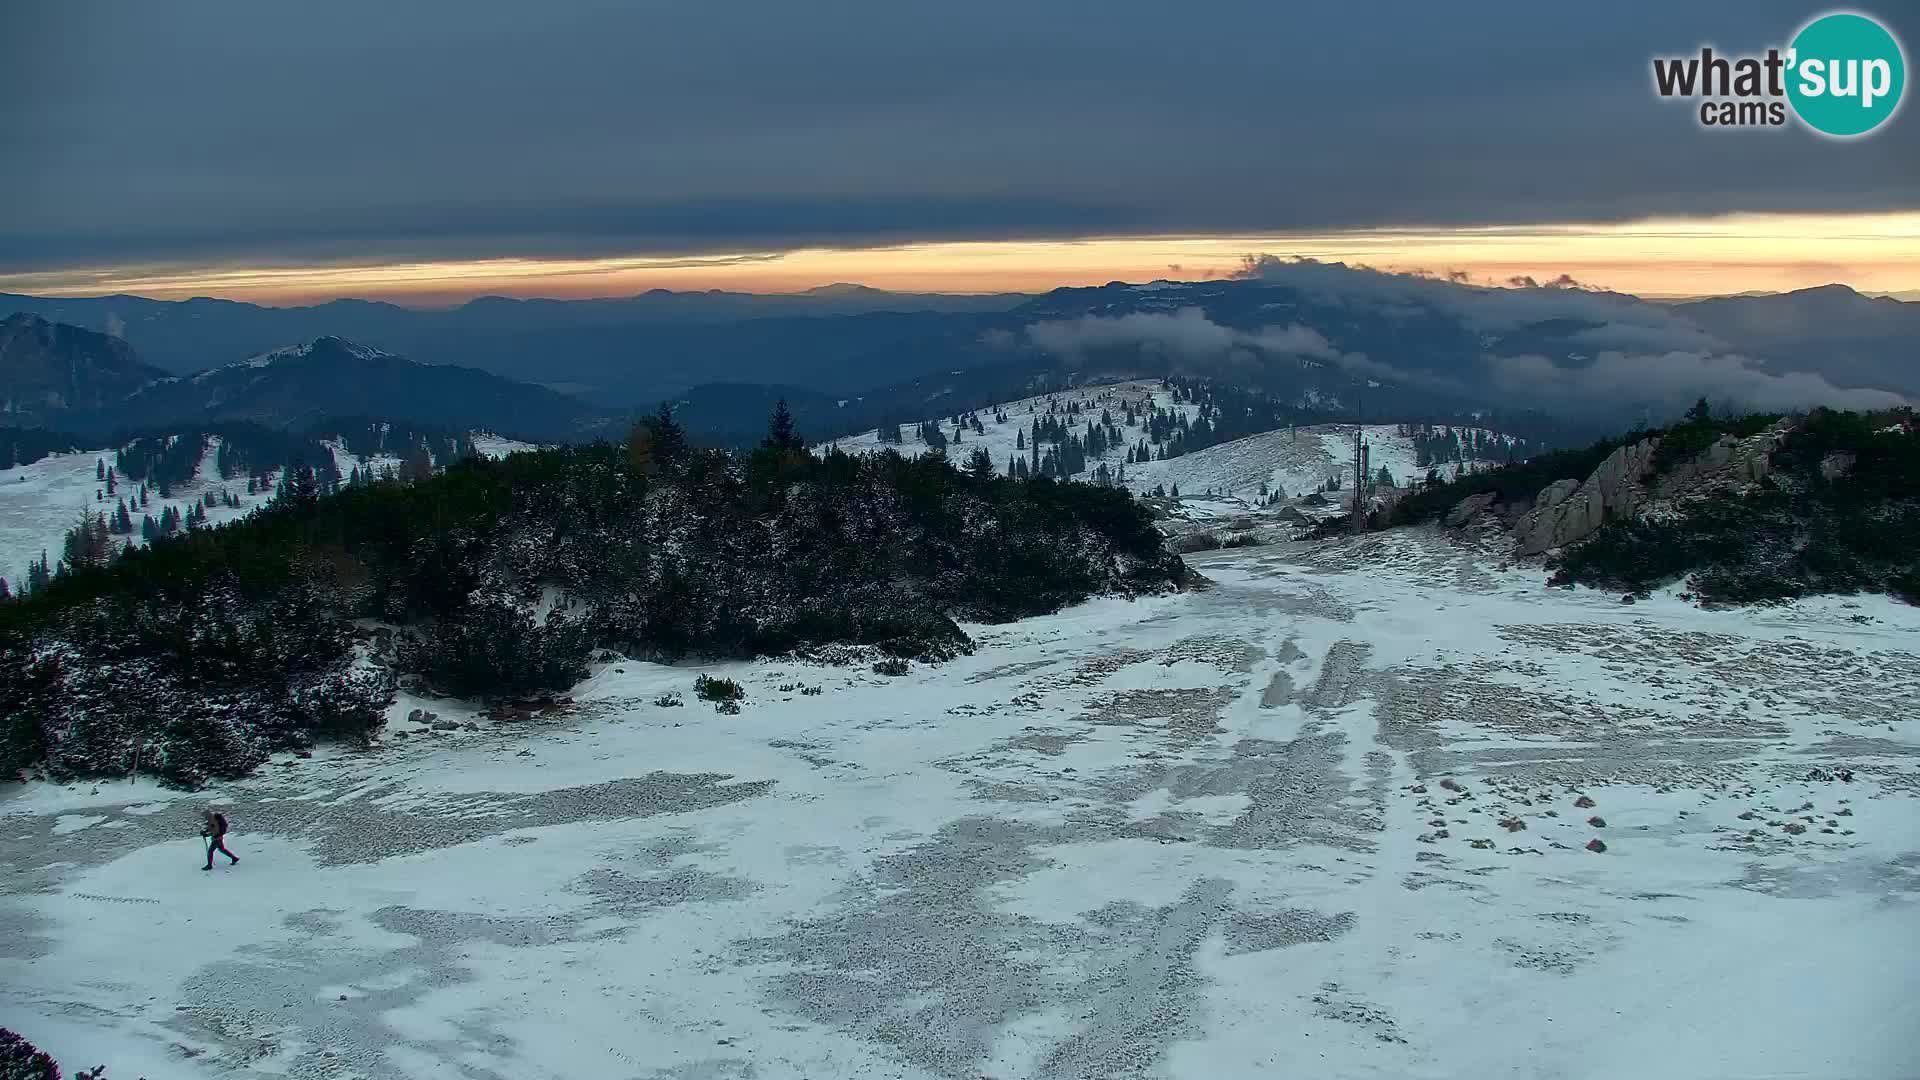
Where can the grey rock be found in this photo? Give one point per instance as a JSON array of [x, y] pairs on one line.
[[1468, 509], [1568, 511]]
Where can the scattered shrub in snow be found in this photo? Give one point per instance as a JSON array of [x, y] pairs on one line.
[[669, 700], [493, 647], [711, 689], [1197, 542], [892, 665], [345, 703]]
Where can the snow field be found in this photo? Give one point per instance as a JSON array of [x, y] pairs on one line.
[[1188, 835]]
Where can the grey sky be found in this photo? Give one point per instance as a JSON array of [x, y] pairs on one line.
[[195, 131]]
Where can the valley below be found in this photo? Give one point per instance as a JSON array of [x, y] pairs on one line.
[[1383, 806]]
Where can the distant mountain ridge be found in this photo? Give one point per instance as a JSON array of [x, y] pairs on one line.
[[675, 338], [292, 387], [49, 370], [1863, 340], [1559, 364]]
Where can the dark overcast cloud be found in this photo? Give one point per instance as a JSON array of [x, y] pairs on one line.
[[196, 130]]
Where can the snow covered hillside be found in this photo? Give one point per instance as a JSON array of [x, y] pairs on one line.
[[1005, 441], [1370, 809], [39, 502], [1293, 461]]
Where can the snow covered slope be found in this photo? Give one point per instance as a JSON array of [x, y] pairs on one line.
[[41, 501], [495, 446], [1294, 461], [1329, 818], [1002, 440]]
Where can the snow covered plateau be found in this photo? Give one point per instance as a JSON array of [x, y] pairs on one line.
[[1378, 807]]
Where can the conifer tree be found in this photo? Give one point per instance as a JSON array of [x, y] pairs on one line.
[[780, 433], [669, 438]]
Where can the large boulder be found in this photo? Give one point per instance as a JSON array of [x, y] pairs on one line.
[[1569, 511], [1468, 509]]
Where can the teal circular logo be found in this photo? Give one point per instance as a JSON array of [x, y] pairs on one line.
[[1846, 74]]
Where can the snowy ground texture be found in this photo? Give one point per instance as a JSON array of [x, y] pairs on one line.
[[1250, 831]]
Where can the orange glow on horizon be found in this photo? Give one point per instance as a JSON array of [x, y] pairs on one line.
[[1655, 257]]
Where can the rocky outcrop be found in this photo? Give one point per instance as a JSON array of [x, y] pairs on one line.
[[1469, 509], [1730, 464], [1568, 511]]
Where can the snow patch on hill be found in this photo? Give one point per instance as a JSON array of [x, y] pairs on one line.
[[1002, 441], [494, 446], [1293, 461], [41, 501]]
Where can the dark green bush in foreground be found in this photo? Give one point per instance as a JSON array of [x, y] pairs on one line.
[[21, 1060], [201, 654]]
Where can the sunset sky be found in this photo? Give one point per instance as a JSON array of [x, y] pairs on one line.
[[427, 153]]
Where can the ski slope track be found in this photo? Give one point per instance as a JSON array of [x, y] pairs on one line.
[[1327, 818]]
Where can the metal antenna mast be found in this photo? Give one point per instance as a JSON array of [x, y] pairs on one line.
[[1359, 467]]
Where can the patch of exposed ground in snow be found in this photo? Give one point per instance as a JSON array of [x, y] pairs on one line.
[[1329, 817]]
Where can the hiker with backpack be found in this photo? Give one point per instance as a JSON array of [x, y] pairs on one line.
[[215, 832]]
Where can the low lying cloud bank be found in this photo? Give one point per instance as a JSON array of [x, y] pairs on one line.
[[1647, 358], [1185, 333], [1671, 378]]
